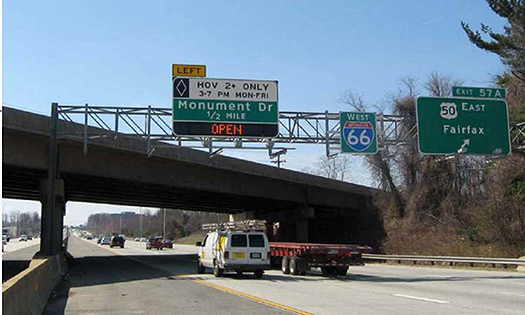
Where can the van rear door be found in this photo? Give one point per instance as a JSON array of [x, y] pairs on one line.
[[239, 249], [258, 248]]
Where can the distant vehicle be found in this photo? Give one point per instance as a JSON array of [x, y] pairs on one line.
[[23, 238], [137, 239], [143, 239], [99, 239], [105, 241], [155, 242], [117, 241], [4, 240], [167, 244], [30, 237]]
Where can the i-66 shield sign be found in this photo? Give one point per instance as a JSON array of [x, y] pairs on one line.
[[358, 133]]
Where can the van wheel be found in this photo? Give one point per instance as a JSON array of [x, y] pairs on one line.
[[293, 266], [200, 267], [285, 265], [217, 271], [258, 274]]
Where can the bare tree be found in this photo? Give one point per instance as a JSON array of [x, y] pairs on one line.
[[441, 85], [355, 101], [336, 167]]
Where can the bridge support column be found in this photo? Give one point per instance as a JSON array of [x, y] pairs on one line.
[[52, 222]]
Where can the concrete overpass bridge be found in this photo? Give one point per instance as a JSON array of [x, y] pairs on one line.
[[121, 172]]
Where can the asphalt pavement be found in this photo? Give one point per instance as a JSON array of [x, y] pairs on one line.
[[17, 256], [103, 282], [371, 289]]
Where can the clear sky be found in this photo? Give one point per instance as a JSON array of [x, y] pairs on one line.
[[120, 53]]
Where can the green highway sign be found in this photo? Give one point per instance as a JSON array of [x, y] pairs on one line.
[[478, 92], [462, 125], [358, 132], [225, 107]]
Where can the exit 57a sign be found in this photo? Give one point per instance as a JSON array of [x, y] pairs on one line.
[[462, 125]]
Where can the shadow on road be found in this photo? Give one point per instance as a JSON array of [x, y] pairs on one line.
[[11, 268]]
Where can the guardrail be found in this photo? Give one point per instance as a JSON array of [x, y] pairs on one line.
[[503, 262]]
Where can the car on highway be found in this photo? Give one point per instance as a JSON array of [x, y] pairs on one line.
[[142, 239], [167, 244], [4, 241], [23, 238], [155, 242], [233, 248], [29, 237], [117, 241], [136, 239], [105, 241]]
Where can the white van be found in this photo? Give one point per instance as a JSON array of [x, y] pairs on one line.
[[231, 250]]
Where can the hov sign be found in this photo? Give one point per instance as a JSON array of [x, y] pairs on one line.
[[358, 132], [225, 107], [462, 125]]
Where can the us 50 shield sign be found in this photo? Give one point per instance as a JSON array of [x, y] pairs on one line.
[[358, 133]]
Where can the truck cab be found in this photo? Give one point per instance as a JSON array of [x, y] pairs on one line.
[[235, 246]]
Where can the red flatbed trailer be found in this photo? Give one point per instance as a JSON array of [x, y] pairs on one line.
[[333, 259]]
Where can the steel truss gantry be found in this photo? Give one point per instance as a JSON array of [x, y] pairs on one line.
[[154, 126]]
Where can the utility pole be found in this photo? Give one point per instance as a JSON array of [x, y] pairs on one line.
[[140, 224], [164, 235], [120, 223]]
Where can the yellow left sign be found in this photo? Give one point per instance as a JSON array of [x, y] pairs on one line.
[[189, 71]]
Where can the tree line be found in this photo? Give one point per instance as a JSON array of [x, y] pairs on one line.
[[179, 223], [452, 205], [25, 222]]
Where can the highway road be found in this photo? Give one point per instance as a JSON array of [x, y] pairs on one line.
[[100, 283], [104, 282], [17, 256]]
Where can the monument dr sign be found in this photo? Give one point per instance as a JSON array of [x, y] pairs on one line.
[[225, 107]]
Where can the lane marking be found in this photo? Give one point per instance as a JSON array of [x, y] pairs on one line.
[[421, 299], [198, 279], [251, 297], [510, 293]]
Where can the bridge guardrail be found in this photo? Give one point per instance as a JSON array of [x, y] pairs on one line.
[[504, 262]]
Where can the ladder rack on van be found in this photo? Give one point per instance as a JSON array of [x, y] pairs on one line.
[[248, 225]]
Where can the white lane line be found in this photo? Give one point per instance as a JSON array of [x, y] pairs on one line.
[[510, 293], [421, 299]]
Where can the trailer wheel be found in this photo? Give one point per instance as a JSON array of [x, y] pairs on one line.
[[294, 270], [327, 271], [341, 271], [285, 266]]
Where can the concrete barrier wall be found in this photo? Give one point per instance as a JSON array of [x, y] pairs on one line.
[[29, 291]]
